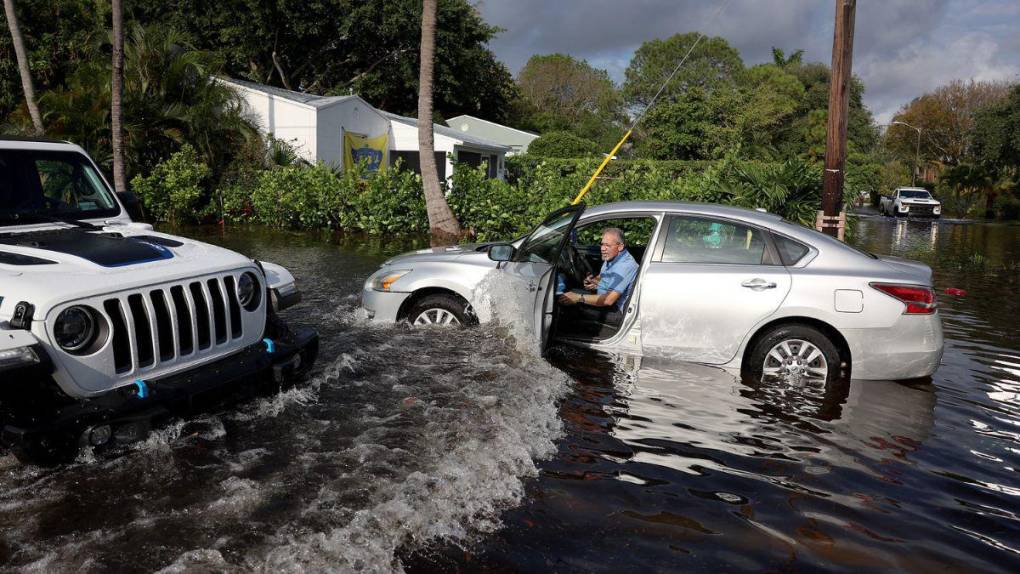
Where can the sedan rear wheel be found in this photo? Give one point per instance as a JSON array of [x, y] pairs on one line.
[[442, 310], [794, 353], [795, 358]]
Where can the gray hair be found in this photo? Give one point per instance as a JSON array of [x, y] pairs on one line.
[[617, 232]]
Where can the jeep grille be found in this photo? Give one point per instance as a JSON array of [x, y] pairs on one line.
[[171, 322]]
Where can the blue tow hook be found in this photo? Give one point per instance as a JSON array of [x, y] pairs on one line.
[[270, 346], [143, 389]]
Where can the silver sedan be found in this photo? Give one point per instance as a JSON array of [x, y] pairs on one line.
[[718, 285]]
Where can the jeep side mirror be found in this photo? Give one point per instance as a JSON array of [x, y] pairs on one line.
[[501, 252], [132, 205]]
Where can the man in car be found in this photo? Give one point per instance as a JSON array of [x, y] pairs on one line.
[[608, 291]]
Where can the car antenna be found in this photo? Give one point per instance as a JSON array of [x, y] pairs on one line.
[[612, 154]]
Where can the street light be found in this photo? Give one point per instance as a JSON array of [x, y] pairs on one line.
[[917, 154]]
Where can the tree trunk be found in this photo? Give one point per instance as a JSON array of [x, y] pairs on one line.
[[990, 204], [116, 96], [442, 223], [26, 75]]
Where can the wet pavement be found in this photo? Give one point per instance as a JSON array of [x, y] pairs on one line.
[[455, 451]]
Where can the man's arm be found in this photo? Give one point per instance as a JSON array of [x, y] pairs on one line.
[[592, 299]]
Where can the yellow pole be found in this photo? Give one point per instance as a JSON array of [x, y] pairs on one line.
[[587, 186]]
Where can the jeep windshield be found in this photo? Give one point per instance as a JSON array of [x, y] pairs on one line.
[[39, 186], [914, 194]]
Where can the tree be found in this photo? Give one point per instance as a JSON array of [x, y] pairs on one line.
[[694, 116], [116, 95], [997, 132], [996, 144], [570, 95], [697, 124], [946, 117], [771, 97], [171, 97], [26, 74], [804, 134], [442, 223], [780, 59], [58, 33], [337, 47], [714, 64]]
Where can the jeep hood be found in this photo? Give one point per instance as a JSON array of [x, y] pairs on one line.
[[51, 266]]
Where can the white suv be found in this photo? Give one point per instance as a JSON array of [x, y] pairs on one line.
[[107, 326]]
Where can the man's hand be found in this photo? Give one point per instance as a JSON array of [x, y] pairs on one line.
[[592, 282], [569, 298]]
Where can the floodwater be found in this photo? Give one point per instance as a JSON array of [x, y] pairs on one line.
[[454, 450]]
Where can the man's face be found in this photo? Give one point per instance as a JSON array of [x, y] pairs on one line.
[[610, 246]]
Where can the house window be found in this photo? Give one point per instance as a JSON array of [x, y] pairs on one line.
[[469, 157], [412, 160]]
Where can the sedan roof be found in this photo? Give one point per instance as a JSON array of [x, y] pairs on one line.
[[761, 217]]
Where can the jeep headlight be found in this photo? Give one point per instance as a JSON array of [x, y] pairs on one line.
[[385, 279], [75, 329], [248, 291], [937, 209]]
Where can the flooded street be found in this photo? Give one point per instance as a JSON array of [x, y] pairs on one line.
[[451, 450]]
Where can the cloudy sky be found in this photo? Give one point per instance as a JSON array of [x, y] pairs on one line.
[[902, 48]]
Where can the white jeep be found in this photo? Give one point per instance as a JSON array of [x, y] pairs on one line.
[[910, 202], [107, 326]]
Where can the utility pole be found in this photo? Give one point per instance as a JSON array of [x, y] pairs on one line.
[[830, 220]]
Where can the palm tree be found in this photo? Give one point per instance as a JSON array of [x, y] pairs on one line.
[[116, 96], [171, 97], [780, 59], [442, 223], [26, 76]]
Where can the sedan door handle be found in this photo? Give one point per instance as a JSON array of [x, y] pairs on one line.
[[758, 284]]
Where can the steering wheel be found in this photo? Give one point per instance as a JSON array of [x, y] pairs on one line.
[[574, 264], [52, 203]]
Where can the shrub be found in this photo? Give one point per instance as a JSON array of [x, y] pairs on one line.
[[173, 190], [316, 197], [1007, 205], [563, 145]]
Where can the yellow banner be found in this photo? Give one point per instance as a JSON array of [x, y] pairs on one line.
[[374, 149]]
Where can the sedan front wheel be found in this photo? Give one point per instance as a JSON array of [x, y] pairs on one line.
[[794, 353], [444, 310]]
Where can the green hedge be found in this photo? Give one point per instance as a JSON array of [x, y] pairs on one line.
[[316, 197]]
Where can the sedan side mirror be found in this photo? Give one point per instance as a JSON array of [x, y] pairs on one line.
[[501, 252]]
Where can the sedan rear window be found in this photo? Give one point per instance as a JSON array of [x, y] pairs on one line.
[[703, 240], [790, 251]]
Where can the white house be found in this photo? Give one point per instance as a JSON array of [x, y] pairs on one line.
[[317, 127], [517, 140]]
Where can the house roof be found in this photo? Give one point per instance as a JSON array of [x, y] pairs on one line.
[[312, 100], [496, 125], [449, 132]]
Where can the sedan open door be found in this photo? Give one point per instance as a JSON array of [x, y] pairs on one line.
[[531, 272]]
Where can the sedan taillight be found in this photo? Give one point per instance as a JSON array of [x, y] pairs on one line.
[[919, 300]]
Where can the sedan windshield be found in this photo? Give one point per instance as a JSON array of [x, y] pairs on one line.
[[914, 194], [39, 186]]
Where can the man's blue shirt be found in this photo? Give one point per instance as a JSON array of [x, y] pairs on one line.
[[618, 275]]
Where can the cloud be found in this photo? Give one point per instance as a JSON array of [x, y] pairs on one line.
[[902, 48], [921, 67]]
